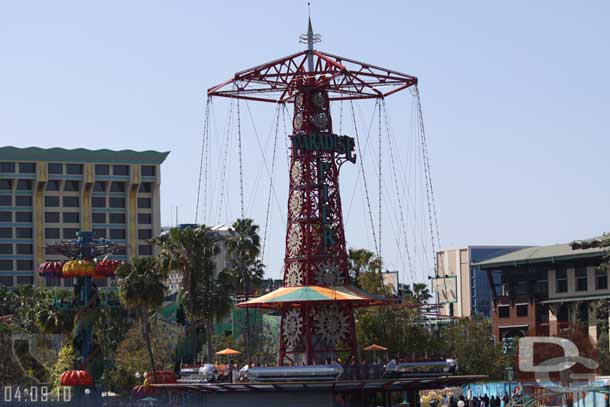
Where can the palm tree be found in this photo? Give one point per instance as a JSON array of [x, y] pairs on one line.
[[142, 289], [206, 292], [243, 248], [363, 261], [420, 294], [53, 311]]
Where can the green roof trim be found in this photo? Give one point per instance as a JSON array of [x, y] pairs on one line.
[[82, 155], [542, 254]]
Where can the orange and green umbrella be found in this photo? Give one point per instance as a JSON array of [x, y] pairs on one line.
[[295, 296]]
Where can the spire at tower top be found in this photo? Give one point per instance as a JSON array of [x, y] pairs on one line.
[[310, 38]]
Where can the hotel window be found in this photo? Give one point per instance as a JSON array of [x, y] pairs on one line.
[[6, 200], [6, 248], [23, 233], [25, 280], [99, 187], [98, 202], [52, 185], [98, 217], [51, 233], [503, 311], [71, 186], [145, 218], [117, 218], [6, 281], [27, 168], [6, 265], [24, 185], [55, 168], [51, 217], [25, 265], [71, 217], [100, 233], [7, 167], [6, 233], [51, 201], [144, 234], [521, 310], [23, 200], [148, 170], [71, 202], [601, 279], [102, 169], [74, 169], [581, 279], [6, 216], [23, 248], [561, 281], [70, 233], [144, 203], [117, 234], [23, 216], [120, 170], [146, 187], [117, 202], [6, 184], [117, 187]]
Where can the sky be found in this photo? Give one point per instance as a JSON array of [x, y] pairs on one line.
[[515, 98]]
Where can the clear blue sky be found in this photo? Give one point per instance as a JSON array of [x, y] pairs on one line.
[[516, 98]]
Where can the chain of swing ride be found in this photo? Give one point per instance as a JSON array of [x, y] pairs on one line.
[[380, 113]]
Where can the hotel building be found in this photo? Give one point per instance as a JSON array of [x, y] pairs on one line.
[[47, 195]]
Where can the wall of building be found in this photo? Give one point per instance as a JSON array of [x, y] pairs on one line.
[[455, 262], [43, 202], [473, 292], [572, 291]]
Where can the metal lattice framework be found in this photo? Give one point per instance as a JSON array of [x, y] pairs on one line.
[[343, 78], [313, 329]]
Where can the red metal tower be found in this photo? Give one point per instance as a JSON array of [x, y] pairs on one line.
[[317, 299]]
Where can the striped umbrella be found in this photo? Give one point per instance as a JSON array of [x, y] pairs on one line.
[[295, 296]]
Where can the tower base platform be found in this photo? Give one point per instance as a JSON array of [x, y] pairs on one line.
[[353, 393]]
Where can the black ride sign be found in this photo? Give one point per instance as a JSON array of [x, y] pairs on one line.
[[324, 142]]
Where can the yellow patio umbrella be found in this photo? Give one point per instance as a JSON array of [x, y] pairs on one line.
[[374, 347], [228, 352]]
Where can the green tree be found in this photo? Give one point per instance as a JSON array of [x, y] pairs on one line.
[[53, 311], [113, 323], [470, 342], [363, 261], [132, 356], [142, 289], [243, 248], [373, 283], [207, 293], [419, 294], [66, 360]]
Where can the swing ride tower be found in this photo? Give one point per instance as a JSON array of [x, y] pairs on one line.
[[317, 299]]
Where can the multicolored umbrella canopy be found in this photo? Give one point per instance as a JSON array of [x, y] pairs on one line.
[[294, 296]]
